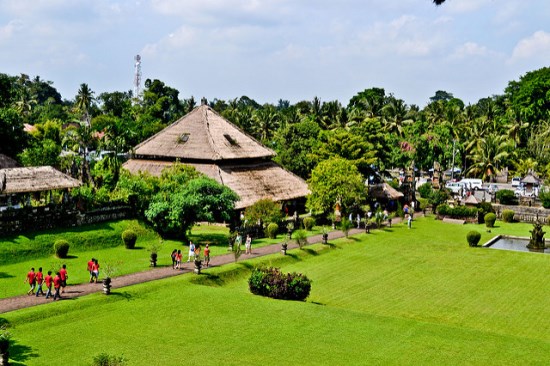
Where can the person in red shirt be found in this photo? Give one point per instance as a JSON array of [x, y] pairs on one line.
[[90, 269], [63, 275], [207, 255], [48, 280], [31, 279], [57, 286], [95, 270], [39, 281]]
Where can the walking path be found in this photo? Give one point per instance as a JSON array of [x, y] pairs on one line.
[[25, 301]]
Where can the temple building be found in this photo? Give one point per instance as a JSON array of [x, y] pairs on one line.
[[221, 151]]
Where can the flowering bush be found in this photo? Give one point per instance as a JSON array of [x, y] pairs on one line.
[[271, 282]]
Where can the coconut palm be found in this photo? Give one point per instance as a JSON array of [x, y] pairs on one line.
[[490, 152], [84, 100]]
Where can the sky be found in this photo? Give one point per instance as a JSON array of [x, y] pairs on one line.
[[278, 49]]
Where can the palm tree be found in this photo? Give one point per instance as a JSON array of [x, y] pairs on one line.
[[491, 151], [266, 121], [394, 116], [84, 100]]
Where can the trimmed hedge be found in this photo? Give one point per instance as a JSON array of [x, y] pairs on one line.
[[61, 248], [271, 282], [508, 215], [272, 230], [473, 238], [309, 223], [506, 197], [457, 212], [490, 219], [129, 237]]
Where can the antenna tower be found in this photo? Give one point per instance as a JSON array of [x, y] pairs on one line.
[[137, 77]]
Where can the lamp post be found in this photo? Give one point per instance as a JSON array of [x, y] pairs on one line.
[[453, 163]]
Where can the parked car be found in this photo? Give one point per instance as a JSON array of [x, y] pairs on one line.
[[516, 181], [455, 187]]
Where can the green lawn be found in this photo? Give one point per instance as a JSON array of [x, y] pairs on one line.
[[399, 296], [102, 241]]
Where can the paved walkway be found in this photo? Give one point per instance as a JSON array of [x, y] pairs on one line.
[[25, 301]]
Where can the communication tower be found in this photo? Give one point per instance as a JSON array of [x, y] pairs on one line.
[[137, 77]]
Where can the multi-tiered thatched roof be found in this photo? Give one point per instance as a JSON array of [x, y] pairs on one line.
[[222, 151]]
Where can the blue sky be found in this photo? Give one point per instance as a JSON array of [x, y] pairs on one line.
[[272, 49]]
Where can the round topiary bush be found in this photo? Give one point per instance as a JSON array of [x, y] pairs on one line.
[[473, 238], [508, 215], [129, 238], [309, 223], [490, 219], [272, 230], [61, 248], [271, 282]]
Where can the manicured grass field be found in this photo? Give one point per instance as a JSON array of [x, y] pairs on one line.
[[102, 241], [399, 296]]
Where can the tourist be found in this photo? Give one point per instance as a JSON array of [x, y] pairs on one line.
[[358, 221], [409, 221], [57, 285], [178, 259], [63, 275], [173, 256], [248, 244], [31, 279], [48, 280], [238, 240], [207, 255], [191, 251], [90, 270], [39, 281], [95, 270]]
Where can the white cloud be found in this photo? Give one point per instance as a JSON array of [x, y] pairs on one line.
[[465, 6], [535, 46], [470, 49], [7, 31]]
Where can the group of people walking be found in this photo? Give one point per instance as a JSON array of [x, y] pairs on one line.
[[37, 281], [194, 252]]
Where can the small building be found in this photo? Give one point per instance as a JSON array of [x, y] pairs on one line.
[[222, 151]]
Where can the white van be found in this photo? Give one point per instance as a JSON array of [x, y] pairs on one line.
[[455, 187], [472, 183]]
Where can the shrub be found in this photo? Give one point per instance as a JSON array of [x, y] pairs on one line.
[[506, 197], [300, 236], [473, 238], [61, 248], [490, 219], [346, 226], [272, 230], [423, 203], [104, 359], [544, 196], [129, 238], [309, 223], [508, 215], [425, 190], [271, 282], [456, 212]]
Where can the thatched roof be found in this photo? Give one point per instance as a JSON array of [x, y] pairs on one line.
[[471, 201], [251, 181], [384, 191], [530, 179], [35, 179], [202, 134], [7, 162]]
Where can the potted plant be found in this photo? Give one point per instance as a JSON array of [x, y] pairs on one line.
[[109, 271], [198, 264], [154, 249], [284, 246], [325, 235]]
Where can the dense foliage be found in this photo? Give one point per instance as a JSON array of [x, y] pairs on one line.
[[508, 215], [271, 282], [506, 197], [473, 238], [61, 248], [490, 219], [129, 237], [457, 212]]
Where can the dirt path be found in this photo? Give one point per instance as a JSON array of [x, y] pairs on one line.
[[25, 301]]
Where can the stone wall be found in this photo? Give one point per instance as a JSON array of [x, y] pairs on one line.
[[524, 213], [27, 219]]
